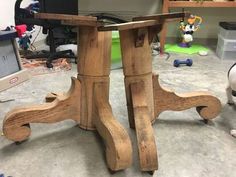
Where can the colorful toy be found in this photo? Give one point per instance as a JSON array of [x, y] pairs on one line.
[[187, 62], [188, 29]]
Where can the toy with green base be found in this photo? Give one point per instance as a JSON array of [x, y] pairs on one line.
[[188, 29]]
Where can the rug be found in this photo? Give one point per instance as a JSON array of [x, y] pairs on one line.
[[38, 66], [195, 48]]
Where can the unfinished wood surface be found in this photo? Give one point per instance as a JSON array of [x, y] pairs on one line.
[[86, 102], [94, 52], [207, 105], [128, 25], [135, 60], [16, 123], [73, 20], [81, 23], [144, 131], [118, 144], [148, 90], [87, 99]]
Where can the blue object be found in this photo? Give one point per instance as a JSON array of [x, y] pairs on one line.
[[1, 175], [24, 42], [8, 35], [187, 62]]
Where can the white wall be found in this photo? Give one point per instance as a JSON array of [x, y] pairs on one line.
[[7, 12], [120, 7], [211, 16]]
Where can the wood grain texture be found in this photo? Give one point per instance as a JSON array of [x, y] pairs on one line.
[[135, 60], [144, 131], [16, 123], [87, 99], [137, 66], [94, 52], [73, 20], [207, 105], [118, 144], [80, 23], [148, 90], [128, 25]]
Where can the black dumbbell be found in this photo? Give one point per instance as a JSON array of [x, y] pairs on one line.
[[187, 62]]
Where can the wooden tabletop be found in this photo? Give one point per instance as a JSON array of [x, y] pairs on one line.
[[138, 22], [144, 21], [73, 20]]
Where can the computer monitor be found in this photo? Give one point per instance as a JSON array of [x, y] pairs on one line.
[[55, 6]]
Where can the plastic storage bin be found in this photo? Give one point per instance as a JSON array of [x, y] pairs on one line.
[[227, 30], [226, 44], [226, 55]]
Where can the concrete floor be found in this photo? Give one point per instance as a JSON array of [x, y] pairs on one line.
[[186, 146]]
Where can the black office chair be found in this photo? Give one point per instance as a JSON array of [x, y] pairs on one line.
[[25, 16]]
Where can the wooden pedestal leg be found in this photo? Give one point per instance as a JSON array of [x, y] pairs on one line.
[[16, 123], [87, 102], [118, 144], [207, 105], [137, 64], [145, 135]]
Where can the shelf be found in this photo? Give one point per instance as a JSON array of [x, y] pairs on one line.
[[201, 4]]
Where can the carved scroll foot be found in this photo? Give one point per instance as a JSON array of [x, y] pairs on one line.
[[118, 144], [144, 131], [16, 123], [207, 105]]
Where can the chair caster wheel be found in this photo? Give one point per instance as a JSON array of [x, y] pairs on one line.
[[49, 65], [151, 172], [206, 121]]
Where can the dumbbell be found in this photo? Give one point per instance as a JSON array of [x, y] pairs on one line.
[[187, 62]]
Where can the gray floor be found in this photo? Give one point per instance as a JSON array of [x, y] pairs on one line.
[[186, 146]]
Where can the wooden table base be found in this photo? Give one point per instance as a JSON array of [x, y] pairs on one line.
[[146, 99], [87, 102]]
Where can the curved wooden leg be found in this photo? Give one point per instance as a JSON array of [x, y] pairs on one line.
[[118, 144], [144, 131], [16, 123], [207, 105]]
